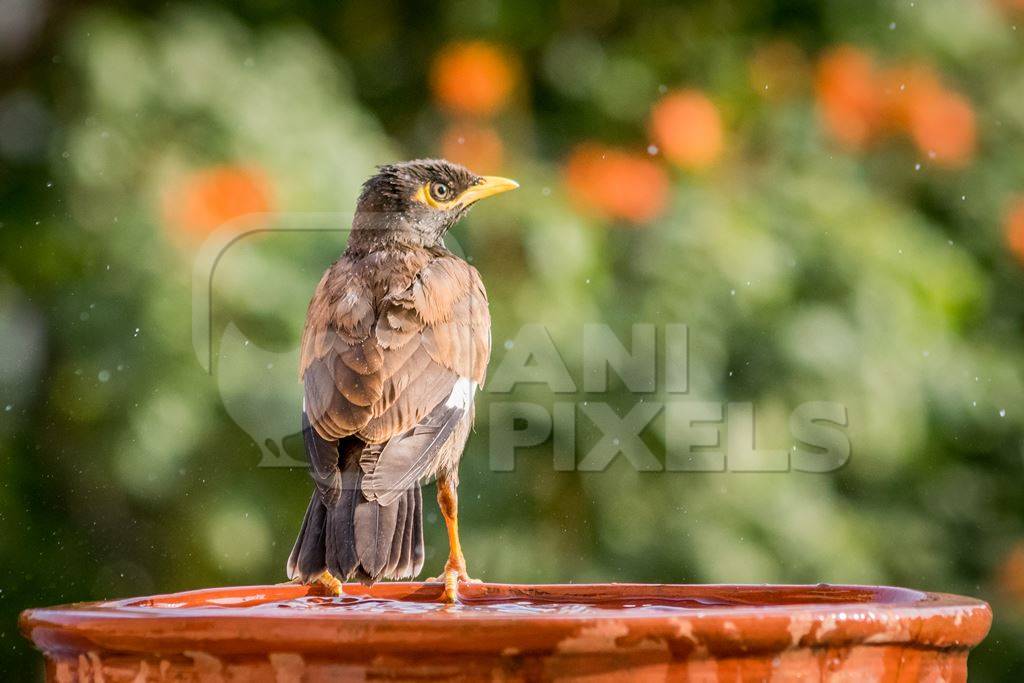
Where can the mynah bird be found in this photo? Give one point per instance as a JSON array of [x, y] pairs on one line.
[[396, 343]]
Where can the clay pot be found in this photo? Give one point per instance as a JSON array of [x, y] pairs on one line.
[[515, 632]]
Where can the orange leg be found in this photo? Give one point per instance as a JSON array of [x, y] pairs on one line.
[[455, 567]]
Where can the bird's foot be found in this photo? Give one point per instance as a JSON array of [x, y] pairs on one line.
[[325, 584], [454, 573]]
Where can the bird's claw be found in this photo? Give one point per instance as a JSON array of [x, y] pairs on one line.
[[451, 577], [326, 584], [451, 587], [462, 577]]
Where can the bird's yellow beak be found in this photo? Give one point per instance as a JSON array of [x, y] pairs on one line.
[[488, 186]]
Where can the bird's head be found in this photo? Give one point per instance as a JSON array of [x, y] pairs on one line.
[[417, 202]]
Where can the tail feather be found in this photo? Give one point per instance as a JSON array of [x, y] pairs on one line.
[[418, 549], [348, 534], [358, 538], [405, 563], [342, 559], [374, 530], [292, 568], [398, 537], [308, 556]]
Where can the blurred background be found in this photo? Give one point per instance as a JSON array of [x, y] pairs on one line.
[[830, 195]]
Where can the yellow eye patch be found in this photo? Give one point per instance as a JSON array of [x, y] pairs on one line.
[[436, 195], [441, 196]]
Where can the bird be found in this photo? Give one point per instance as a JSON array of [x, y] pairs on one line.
[[395, 346]]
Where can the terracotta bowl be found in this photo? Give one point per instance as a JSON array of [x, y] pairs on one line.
[[398, 631]]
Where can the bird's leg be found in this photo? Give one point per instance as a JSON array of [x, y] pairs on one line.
[[455, 567]]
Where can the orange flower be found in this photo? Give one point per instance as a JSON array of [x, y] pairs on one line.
[[858, 104], [943, 127], [778, 70], [900, 87], [1015, 234], [687, 128], [210, 198], [616, 184], [473, 78], [475, 146], [847, 93], [1010, 577], [1010, 6]]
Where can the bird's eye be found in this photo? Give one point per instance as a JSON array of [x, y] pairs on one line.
[[440, 191]]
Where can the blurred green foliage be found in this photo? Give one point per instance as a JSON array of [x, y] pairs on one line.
[[805, 271]]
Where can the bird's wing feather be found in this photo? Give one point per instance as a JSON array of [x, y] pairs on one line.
[[380, 360], [323, 462], [410, 456]]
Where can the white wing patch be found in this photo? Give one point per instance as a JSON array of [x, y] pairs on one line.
[[414, 454], [462, 394]]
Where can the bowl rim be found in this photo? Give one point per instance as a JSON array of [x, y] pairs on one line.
[[737, 620]]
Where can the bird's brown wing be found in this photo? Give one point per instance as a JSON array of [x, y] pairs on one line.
[[377, 368]]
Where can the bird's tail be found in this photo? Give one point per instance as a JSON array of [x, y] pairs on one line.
[[360, 539]]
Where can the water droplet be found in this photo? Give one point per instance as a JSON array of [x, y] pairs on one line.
[[1002, 412], [509, 344], [652, 149], [917, 167], [8, 408], [892, 25], [104, 376]]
